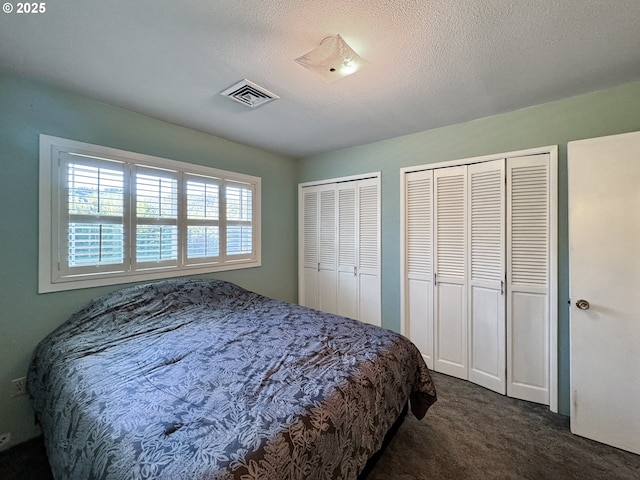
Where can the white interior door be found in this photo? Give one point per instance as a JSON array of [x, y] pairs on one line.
[[604, 236], [486, 299], [450, 287]]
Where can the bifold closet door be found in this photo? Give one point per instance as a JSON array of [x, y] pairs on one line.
[[340, 248], [359, 250], [450, 279], [319, 289], [419, 261], [528, 267], [487, 271]]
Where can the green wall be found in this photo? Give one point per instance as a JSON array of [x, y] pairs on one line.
[[596, 114], [28, 108]]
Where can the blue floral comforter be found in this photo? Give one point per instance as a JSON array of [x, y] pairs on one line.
[[201, 379]]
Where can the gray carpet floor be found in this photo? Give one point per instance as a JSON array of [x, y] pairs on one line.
[[470, 433], [474, 433]]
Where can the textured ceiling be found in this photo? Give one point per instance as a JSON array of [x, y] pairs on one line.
[[430, 62]]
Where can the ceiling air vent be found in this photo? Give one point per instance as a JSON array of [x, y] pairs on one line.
[[249, 94]]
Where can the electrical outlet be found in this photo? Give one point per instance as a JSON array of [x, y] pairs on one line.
[[19, 387], [4, 439]]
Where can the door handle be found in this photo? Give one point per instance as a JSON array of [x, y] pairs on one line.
[[582, 304]]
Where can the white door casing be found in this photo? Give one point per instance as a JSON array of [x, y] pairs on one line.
[[604, 265]]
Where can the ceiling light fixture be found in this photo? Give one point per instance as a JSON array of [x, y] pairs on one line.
[[332, 60]]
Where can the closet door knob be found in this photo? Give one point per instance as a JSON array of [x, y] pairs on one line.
[[582, 304]]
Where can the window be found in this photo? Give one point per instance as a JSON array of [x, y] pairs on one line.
[[109, 216]]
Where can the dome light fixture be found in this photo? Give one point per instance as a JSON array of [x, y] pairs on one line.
[[332, 60]]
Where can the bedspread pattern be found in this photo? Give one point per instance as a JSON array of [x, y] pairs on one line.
[[195, 379]]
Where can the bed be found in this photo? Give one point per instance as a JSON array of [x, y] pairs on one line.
[[201, 379]]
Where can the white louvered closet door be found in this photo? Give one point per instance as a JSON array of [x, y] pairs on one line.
[[339, 261], [528, 257], [419, 261], [310, 250], [487, 270], [450, 246], [347, 250], [368, 252], [327, 250]]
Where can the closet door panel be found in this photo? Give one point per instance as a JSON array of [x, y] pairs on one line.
[[528, 256], [368, 268], [420, 312], [370, 307], [310, 257], [487, 267], [450, 297], [327, 275], [451, 349], [419, 261], [347, 251], [486, 335], [528, 362]]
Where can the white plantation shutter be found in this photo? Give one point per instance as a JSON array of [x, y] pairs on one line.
[[109, 216], [239, 219], [203, 218], [93, 210], [156, 217]]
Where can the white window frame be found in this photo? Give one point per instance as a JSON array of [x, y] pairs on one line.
[[54, 276]]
